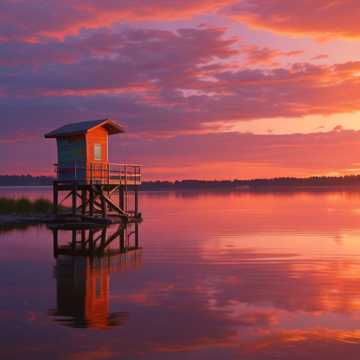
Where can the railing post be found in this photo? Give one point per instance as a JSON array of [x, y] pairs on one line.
[[75, 171], [109, 170], [91, 173], [119, 175], [125, 171]]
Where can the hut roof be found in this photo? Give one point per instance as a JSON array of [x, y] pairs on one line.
[[85, 126]]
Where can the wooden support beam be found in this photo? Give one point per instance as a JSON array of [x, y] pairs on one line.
[[99, 237], [83, 201], [103, 240], [105, 200], [111, 238], [95, 203], [91, 241], [55, 242], [114, 206], [83, 238], [55, 199], [65, 198], [91, 201], [103, 204], [121, 198], [73, 201], [136, 200], [136, 235], [73, 240], [113, 190], [122, 240]]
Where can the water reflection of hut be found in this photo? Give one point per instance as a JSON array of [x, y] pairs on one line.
[[83, 278]]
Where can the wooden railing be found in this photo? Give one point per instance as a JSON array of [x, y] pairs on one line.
[[99, 173]]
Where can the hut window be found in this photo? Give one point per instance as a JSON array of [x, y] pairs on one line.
[[97, 152]]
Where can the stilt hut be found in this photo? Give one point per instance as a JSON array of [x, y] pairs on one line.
[[85, 173]]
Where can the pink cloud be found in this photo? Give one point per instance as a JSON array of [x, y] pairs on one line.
[[33, 20], [256, 55], [246, 155], [321, 18], [168, 81]]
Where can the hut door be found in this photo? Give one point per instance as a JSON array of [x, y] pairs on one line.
[[97, 152]]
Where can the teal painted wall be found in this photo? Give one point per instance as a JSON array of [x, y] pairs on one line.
[[72, 150]]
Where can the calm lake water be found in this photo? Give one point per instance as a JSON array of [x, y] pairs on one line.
[[219, 276]]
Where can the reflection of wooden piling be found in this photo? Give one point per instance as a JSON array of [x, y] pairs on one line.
[[73, 200], [136, 235], [96, 241], [136, 201], [55, 243], [83, 279]]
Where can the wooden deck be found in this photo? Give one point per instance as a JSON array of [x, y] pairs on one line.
[[99, 173]]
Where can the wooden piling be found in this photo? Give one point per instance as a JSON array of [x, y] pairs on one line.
[[136, 200], [136, 235], [55, 198], [121, 198], [122, 240], [74, 200], [56, 243], [103, 207], [83, 201], [91, 201]]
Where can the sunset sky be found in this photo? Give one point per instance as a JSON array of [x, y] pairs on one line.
[[207, 89]]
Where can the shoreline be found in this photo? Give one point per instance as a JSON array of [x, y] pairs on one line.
[[25, 219], [51, 220], [216, 186]]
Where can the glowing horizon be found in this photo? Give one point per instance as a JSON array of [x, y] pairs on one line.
[[212, 90]]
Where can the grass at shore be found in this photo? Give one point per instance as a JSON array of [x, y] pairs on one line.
[[25, 206]]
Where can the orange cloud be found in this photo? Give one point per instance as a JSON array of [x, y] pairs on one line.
[[321, 18], [248, 156], [256, 55]]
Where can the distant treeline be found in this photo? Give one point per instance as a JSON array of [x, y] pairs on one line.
[[25, 180], [321, 181], [285, 182]]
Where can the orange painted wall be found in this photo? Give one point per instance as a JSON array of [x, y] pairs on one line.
[[97, 136]]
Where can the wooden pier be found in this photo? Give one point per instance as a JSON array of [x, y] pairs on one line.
[[96, 189], [107, 191]]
